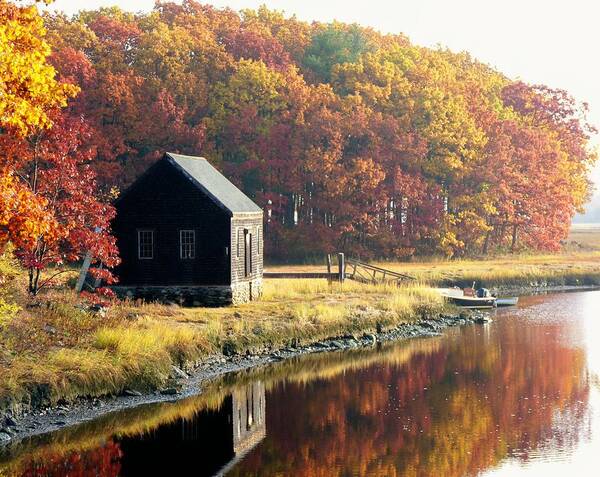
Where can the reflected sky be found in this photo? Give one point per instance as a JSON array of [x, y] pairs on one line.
[[580, 459]]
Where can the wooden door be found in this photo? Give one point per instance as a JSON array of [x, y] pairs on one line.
[[247, 253]]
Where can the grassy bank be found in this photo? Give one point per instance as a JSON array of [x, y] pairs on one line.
[[57, 350], [524, 270], [507, 271], [144, 419]]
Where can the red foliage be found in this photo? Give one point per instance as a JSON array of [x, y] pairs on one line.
[[407, 150], [56, 168]]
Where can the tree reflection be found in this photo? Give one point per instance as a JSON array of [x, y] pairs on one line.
[[455, 411], [103, 461], [450, 406]]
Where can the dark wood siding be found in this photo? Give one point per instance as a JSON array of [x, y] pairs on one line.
[[165, 201]]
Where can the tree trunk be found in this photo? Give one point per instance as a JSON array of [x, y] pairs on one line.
[[30, 285], [34, 281], [486, 244], [513, 243]]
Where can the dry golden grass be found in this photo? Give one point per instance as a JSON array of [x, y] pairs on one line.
[[308, 310], [577, 264], [584, 237], [517, 270], [143, 419], [134, 346], [57, 350], [563, 269]]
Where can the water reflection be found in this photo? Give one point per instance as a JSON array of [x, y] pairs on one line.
[[210, 442], [518, 394]]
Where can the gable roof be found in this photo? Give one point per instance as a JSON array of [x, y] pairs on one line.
[[204, 176]]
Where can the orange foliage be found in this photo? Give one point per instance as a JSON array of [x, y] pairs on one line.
[[49, 203], [377, 146]]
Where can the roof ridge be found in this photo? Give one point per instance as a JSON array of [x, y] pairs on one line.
[[187, 155], [213, 183]]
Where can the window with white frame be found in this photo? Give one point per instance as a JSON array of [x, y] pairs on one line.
[[187, 244], [145, 244]]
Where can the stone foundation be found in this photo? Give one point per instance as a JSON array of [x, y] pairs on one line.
[[212, 295], [243, 292], [182, 295]]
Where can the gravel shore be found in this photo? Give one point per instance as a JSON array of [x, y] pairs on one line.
[[31, 421]]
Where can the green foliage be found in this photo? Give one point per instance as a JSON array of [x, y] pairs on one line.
[[7, 312], [333, 45], [9, 268], [374, 145], [11, 283]]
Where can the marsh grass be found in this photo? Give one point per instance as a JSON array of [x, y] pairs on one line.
[[583, 237], [524, 270], [59, 351], [582, 268]]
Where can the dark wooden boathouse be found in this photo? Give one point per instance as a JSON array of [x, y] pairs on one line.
[[186, 234]]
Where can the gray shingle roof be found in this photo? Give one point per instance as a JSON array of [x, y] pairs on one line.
[[213, 183]]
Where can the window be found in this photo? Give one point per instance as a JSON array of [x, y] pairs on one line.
[[239, 242], [187, 244], [145, 244]]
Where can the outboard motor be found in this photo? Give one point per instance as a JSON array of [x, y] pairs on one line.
[[483, 293]]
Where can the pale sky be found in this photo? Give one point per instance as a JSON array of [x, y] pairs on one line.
[[552, 42]]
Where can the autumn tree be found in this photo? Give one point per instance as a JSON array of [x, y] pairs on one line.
[[372, 144], [49, 204], [28, 89], [58, 172]]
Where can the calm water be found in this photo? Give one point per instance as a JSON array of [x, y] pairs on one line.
[[516, 397]]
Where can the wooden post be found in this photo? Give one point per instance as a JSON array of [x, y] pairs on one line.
[[329, 267], [87, 261], [341, 267], [83, 272]]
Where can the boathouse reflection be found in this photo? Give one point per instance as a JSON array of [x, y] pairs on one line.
[[210, 443], [457, 405]]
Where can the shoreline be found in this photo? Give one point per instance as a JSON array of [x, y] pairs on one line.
[[34, 422], [25, 420], [522, 290]]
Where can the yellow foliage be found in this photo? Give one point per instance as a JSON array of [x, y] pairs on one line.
[[28, 87], [7, 312], [28, 90]]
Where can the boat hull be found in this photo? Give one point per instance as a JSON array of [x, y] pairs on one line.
[[472, 302]]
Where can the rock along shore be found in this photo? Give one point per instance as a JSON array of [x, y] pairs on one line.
[[30, 420]]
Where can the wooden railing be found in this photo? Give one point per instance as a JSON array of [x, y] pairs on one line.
[[351, 268], [365, 272]]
